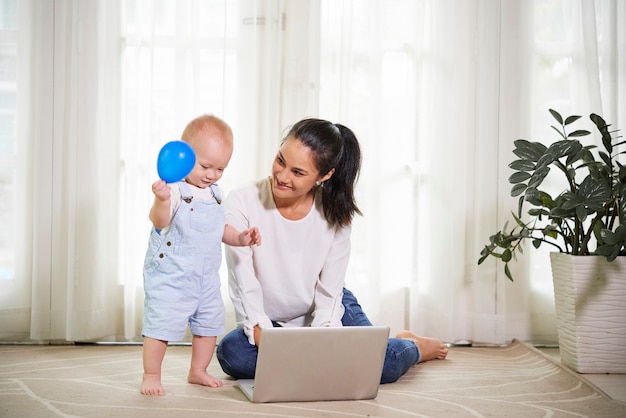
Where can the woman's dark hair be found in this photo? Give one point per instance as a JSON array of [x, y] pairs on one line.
[[333, 146]]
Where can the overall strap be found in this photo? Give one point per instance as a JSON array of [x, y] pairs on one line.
[[217, 194], [185, 194]]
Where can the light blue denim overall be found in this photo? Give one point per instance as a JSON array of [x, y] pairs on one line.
[[181, 271]]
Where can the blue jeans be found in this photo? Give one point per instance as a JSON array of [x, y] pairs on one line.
[[238, 357]]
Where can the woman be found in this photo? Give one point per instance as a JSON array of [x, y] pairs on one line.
[[296, 278]]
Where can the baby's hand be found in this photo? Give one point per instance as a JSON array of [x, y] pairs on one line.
[[250, 236], [161, 190]]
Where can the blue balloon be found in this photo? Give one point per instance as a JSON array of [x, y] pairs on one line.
[[175, 162]]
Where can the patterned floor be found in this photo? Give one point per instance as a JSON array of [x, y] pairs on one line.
[[99, 381]]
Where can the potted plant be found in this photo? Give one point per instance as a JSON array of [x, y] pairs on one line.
[[586, 225]]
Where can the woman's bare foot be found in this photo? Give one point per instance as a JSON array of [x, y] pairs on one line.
[[201, 377], [151, 385], [430, 348]]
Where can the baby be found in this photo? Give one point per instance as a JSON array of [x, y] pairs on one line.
[[181, 269]]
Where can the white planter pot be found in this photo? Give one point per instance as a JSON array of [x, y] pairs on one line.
[[590, 296]]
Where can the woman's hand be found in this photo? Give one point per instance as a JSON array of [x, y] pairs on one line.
[[257, 335]]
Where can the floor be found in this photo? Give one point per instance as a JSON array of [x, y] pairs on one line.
[[614, 385], [93, 380]]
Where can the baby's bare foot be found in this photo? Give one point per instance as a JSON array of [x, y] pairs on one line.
[[151, 385], [201, 377], [430, 348]]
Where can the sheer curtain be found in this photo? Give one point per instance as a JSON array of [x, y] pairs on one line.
[[76, 177], [182, 59], [436, 91], [429, 86], [68, 174]]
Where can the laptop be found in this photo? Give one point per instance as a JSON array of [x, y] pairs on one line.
[[318, 364]]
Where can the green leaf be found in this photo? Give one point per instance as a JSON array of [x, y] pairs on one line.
[[596, 194], [578, 133], [520, 205], [597, 230], [605, 250], [546, 199], [608, 237], [552, 234], [605, 157], [603, 128], [571, 119], [537, 178], [614, 242], [558, 150], [616, 252], [507, 255], [538, 212], [586, 154], [617, 237], [556, 115], [581, 213], [522, 165], [561, 213], [572, 201], [536, 243], [508, 272], [532, 196], [519, 177], [620, 233], [530, 151], [518, 189], [583, 154]]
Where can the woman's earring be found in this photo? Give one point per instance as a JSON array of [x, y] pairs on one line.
[[318, 183]]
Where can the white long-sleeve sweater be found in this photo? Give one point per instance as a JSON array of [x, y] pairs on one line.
[[296, 277]]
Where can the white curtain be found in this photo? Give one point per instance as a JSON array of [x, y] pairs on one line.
[[75, 292], [430, 87], [182, 59], [436, 91], [65, 284]]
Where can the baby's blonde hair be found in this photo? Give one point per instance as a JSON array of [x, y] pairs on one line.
[[207, 123]]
